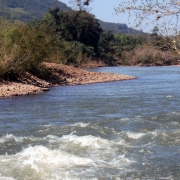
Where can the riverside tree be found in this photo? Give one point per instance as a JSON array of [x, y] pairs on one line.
[[78, 26], [163, 13], [81, 4]]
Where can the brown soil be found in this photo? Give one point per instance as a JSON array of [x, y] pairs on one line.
[[59, 75]]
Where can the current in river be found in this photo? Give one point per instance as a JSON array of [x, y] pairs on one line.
[[123, 130]]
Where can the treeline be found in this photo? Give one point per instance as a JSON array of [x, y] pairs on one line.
[[156, 50], [118, 28], [73, 38], [25, 10], [62, 37]]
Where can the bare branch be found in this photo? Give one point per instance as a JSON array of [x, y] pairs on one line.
[[80, 4], [146, 12]]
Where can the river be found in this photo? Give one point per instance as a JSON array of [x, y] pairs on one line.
[[117, 130]]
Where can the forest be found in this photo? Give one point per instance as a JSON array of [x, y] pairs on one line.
[[74, 38]]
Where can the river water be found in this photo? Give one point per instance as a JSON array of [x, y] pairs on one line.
[[118, 130]]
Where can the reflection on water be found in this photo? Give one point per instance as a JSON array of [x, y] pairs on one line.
[[118, 130]]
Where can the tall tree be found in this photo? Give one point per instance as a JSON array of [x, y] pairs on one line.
[[78, 26], [81, 4]]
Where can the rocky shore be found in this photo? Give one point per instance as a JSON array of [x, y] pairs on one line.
[[58, 74]]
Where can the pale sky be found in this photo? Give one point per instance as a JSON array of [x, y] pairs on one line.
[[104, 10]]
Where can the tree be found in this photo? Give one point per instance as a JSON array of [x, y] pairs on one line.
[[106, 47], [78, 26], [155, 30], [22, 48], [164, 13], [56, 15], [80, 3], [126, 42]]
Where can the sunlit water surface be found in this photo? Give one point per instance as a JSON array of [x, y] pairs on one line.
[[117, 130]]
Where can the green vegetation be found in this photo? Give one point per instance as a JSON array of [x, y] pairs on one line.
[[74, 38], [21, 48], [153, 50], [119, 28], [26, 11], [61, 37]]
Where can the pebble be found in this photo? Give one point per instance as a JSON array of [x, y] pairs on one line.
[[69, 76]]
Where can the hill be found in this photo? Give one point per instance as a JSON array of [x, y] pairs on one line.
[[25, 10], [119, 28]]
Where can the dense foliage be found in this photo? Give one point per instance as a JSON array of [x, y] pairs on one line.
[[74, 38], [63, 37], [25, 10], [119, 28]]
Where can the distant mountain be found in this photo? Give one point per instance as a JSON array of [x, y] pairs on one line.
[[27, 10], [119, 28]]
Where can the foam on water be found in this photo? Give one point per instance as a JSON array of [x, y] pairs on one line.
[[6, 178], [94, 147], [43, 155], [134, 135], [41, 160], [176, 113], [175, 123], [11, 137], [57, 156], [80, 124], [75, 156], [169, 96], [86, 141]]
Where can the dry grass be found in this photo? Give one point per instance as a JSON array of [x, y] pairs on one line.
[[148, 55]]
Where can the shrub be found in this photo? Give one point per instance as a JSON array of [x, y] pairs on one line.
[[148, 55], [22, 48]]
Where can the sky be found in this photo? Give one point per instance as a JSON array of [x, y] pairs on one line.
[[104, 10]]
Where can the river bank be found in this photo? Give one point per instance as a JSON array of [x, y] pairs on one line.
[[58, 75]]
